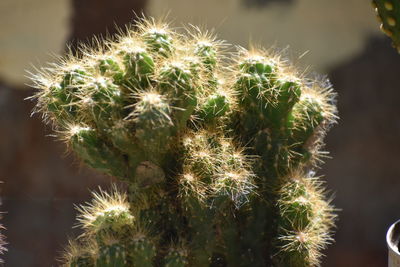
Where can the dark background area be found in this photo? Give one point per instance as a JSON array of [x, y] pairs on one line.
[[41, 182]]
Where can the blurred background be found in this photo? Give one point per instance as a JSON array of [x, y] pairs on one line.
[[41, 182]]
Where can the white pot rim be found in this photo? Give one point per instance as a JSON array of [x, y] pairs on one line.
[[393, 237], [393, 242]]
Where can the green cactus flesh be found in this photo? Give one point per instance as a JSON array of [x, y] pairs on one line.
[[388, 13], [217, 150]]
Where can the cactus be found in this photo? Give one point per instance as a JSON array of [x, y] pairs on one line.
[[217, 150], [388, 13], [3, 244]]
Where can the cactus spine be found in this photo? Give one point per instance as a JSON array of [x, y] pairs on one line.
[[388, 13], [217, 149], [3, 242]]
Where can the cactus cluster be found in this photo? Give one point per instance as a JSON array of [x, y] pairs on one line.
[[388, 13], [3, 242], [217, 149]]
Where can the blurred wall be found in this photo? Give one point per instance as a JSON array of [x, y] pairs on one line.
[[364, 171], [30, 31], [332, 31]]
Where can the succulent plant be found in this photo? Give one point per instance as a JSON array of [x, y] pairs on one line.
[[388, 13], [217, 149], [3, 241]]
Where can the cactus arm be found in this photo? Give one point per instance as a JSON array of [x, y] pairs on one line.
[[141, 252], [176, 257], [305, 217], [202, 240], [388, 12], [87, 144]]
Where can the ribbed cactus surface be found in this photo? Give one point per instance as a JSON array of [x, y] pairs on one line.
[[388, 12], [217, 149]]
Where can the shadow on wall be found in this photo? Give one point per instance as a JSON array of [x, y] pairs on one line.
[[101, 17], [263, 3], [364, 171]]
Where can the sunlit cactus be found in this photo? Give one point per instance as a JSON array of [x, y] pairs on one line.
[[3, 242], [217, 149], [388, 13]]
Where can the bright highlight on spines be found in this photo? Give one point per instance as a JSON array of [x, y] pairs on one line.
[[108, 213], [207, 145], [306, 219]]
